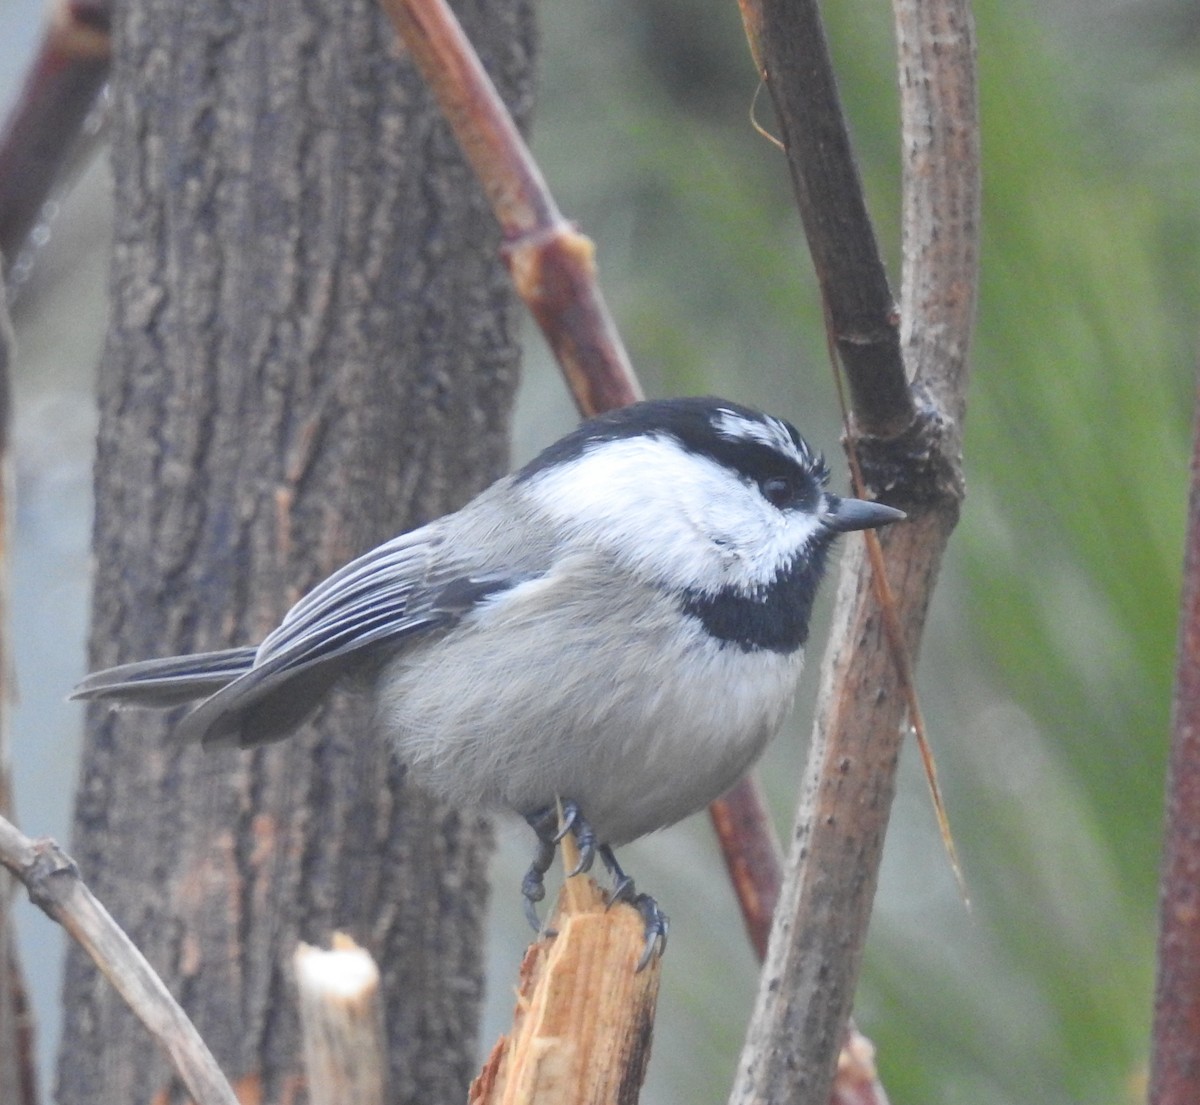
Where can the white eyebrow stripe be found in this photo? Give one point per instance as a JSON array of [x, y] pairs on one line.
[[767, 431]]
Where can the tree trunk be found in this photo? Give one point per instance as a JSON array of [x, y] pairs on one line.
[[310, 349]]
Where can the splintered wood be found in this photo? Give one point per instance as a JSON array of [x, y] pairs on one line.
[[584, 1016]]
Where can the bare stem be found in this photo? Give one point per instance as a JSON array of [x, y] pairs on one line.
[[787, 41], [341, 1021], [752, 854], [939, 115], [56, 888], [552, 264], [582, 1025], [38, 138], [909, 453]]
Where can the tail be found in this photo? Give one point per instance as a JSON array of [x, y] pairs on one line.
[[243, 705], [168, 682]]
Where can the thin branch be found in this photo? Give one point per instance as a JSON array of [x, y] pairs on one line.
[[857, 1081], [911, 456], [39, 137], [1175, 1062], [787, 41], [754, 860], [552, 264], [939, 116], [56, 888], [815, 952], [753, 856]]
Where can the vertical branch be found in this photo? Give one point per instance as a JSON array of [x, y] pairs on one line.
[[909, 452], [1175, 1061], [939, 116]]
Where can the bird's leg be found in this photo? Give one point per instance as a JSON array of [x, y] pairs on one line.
[[549, 832], [533, 888], [655, 922]]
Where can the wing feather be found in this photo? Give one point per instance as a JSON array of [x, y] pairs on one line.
[[395, 594]]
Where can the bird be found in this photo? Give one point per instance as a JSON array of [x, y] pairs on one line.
[[602, 641]]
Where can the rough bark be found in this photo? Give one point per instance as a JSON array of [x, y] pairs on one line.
[[310, 349]]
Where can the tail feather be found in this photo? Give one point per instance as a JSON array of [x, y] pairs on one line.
[[243, 704], [169, 681]]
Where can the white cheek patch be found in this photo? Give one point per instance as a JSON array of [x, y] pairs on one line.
[[671, 515], [648, 503], [800, 532]]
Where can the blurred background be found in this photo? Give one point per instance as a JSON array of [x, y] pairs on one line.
[[1046, 671]]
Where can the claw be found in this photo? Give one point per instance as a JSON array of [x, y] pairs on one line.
[[622, 891], [567, 819], [655, 922], [570, 815], [531, 914], [550, 830], [586, 840]]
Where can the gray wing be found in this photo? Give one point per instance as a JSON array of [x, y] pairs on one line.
[[388, 598]]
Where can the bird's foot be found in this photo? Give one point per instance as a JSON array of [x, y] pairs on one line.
[[546, 825], [655, 922], [550, 830]]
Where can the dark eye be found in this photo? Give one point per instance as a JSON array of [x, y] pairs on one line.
[[779, 491]]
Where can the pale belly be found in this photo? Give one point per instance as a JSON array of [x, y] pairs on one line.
[[641, 719]]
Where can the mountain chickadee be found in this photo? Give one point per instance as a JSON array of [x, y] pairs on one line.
[[619, 626]]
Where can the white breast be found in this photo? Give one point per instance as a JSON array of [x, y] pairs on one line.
[[589, 685]]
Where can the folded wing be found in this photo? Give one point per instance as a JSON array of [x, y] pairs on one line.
[[385, 600]]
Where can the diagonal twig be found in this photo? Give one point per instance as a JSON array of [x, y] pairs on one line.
[[787, 42], [752, 853], [55, 886], [38, 139], [552, 263]]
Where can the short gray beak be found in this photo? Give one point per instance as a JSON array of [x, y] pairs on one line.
[[844, 515]]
